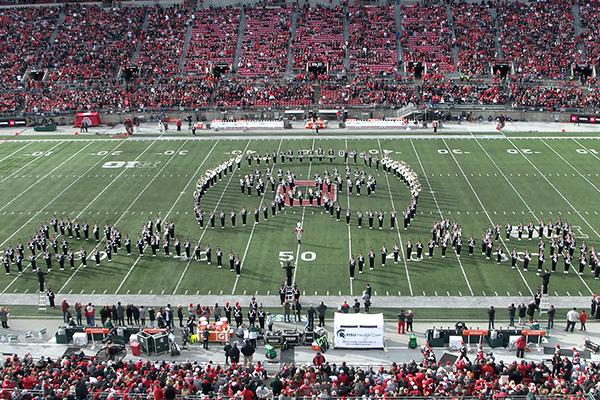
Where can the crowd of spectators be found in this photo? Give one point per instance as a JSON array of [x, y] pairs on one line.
[[372, 48], [77, 377], [425, 36], [319, 38], [368, 92], [589, 11], [252, 93], [266, 37], [92, 43], [24, 35], [214, 39], [474, 33], [538, 37], [162, 41]]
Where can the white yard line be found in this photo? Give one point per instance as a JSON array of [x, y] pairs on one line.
[[34, 159], [401, 243], [302, 219], [237, 278], [16, 151], [483, 208], [187, 266], [349, 232], [44, 177], [60, 194], [521, 197], [131, 203], [192, 179], [440, 213]]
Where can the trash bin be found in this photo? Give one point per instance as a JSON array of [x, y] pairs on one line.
[[412, 341], [270, 352], [135, 349]]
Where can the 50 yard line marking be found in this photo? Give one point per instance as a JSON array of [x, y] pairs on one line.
[[302, 220], [130, 203], [187, 266], [440, 212], [237, 278], [401, 244], [349, 232], [483, 208]]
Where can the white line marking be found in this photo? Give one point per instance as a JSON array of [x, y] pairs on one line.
[[401, 244], [440, 212], [262, 199], [215, 209]]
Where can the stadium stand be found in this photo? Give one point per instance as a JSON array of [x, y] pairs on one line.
[[164, 57], [266, 37], [373, 41], [74, 377]]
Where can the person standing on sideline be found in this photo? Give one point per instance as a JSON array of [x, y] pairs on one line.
[[511, 314], [205, 335], [551, 311], [521, 343], [321, 311], [401, 322], [583, 319], [491, 316], [409, 320], [572, 318], [4, 313]]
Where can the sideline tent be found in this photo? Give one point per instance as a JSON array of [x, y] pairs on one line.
[[92, 118], [358, 331]]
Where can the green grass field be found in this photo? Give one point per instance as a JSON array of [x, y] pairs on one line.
[[476, 182]]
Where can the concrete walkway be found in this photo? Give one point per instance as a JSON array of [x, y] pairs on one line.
[[396, 349], [499, 302]]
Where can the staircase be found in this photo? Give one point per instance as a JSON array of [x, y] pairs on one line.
[[453, 35], [138, 48], [577, 26], [42, 301], [186, 45], [316, 94], [59, 21], [494, 16], [544, 303], [294, 25], [399, 51], [240, 40], [346, 36]]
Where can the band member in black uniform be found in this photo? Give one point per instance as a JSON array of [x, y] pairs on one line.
[[219, 254], [238, 266], [513, 259], [166, 250], [231, 261], [361, 262], [396, 253], [498, 255], [458, 246], [409, 249], [359, 217], [19, 262], [383, 255], [83, 255], [419, 250], [140, 246], [128, 245], [71, 259], [380, 219], [208, 254], [61, 261], [471, 245], [96, 255], [567, 263], [431, 246], [211, 218], [351, 267], [187, 248], [370, 217], [177, 245], [526, 259], [86, 231], [554, 260], [540, 264]]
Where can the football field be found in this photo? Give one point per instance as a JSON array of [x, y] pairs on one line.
[[475, 180]]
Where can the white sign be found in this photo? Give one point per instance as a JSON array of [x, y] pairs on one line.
[[246, 124], [358, 331]]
